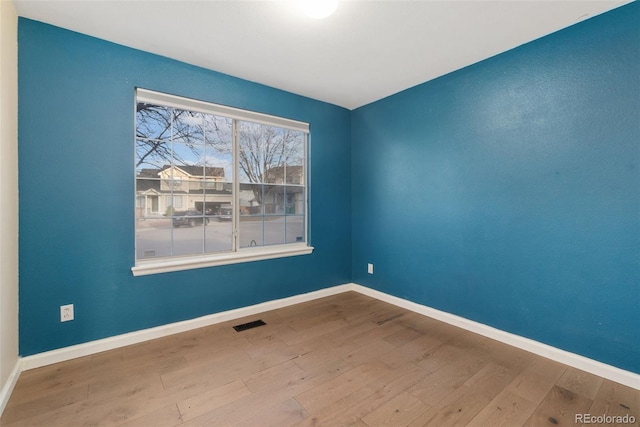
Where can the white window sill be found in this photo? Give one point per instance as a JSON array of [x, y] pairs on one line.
[[166, 265]]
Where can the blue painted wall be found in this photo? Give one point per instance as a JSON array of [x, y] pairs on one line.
[[508, 192], [76, 100]]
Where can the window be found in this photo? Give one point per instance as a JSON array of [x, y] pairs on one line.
[[174, 201], [231, 184]]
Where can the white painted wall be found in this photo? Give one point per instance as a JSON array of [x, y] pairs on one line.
[[8, 199]]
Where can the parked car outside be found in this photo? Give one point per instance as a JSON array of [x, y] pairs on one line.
[[189, 218]]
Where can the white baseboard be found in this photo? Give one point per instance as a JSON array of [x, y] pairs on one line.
[[612, 373], [7, 389], [580, 362], [92, 347]]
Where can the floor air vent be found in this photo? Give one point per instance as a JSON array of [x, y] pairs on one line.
[[245, 326]]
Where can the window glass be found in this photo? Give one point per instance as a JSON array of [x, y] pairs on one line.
[[268, 158], [187, 161]]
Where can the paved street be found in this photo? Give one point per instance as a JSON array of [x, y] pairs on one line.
[[157, 237]]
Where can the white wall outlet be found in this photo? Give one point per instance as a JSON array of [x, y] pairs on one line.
[[370, 268], [66, 312]]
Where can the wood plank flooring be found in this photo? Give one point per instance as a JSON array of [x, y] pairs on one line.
[[344, 360]]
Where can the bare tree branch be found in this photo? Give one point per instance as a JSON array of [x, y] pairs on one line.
[[262, 149]]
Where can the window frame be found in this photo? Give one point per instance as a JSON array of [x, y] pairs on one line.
[[237, 254]]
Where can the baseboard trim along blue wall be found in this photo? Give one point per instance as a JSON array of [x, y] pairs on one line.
[[597, 368], [508, 192]]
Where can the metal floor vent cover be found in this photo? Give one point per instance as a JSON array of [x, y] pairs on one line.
[[245, 326]]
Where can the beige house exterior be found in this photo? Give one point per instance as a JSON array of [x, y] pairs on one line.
[[179, 188], [160, 192]]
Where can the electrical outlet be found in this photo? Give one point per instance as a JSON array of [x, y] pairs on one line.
[[370, 268], [66, 312]]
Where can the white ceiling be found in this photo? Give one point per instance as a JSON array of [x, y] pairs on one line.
[[367, 50]]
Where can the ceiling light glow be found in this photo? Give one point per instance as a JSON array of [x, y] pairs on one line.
[[318, 9]]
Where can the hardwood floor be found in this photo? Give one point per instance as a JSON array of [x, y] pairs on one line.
[[344, 360]]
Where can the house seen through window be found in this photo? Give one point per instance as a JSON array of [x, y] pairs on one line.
[[213, 182]]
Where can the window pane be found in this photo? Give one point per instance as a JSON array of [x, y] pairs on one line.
[[271, 155], [187, 126], [151, 155], [217, 183], [250, 199], [189, 158], [273, 199], [259, 230], [153, 237], [147, 197], [293, 160], [188, 232], [266, 151], [218, 146], [294, 229], [251, 231], [250, 151], [274, 230], [294, 204], [217, 207], [262, 222], [295, 211], [219, 234], [153, 122]]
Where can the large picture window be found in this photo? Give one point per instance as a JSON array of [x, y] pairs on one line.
[[216, 185]]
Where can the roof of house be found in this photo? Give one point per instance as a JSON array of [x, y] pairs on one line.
[[143, 185], [193, 170], [146, 183], [280, 170]]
